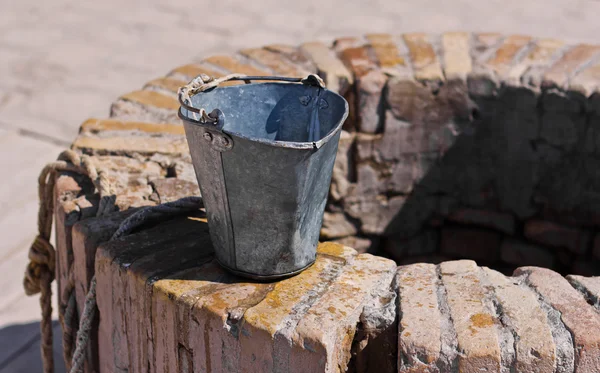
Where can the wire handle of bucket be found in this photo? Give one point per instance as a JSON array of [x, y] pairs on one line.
[[203, 83]]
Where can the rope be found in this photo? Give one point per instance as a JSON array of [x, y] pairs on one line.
[[40, 271], [186, 204]]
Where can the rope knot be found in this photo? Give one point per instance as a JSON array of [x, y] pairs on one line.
[[41, 265]]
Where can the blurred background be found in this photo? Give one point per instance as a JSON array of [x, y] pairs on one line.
[[63, 61]]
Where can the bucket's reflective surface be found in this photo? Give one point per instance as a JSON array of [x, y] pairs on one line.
[[265, 192]]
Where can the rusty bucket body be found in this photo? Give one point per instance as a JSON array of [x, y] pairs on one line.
[[263, 159]]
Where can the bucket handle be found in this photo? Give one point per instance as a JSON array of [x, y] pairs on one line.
[[203, 82]]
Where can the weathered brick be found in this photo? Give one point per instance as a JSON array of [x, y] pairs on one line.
[[293, 54], [521, 253], [582, 321], [505, 55], [166, 84], [375, 214], [587, 81], [560, 72], [369, 101], [422, 244], [555, 235], [151, 98], [323, 337], [424, 60], [172, 189], [275, 62], [420, 330], [132, 144], [337, 225], [456, 55], [530, 69], [234, 65], [268, 328], [588, 286], [343, 166], [358, 60], [499, 221], [470, 243], [360, 244], [386, 52], [173, 298], [95, 126], [329, 67], [148, 106], [534, 345], [475, 326], [190, 71]]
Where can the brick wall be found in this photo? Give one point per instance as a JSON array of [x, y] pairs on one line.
[[478, 146]]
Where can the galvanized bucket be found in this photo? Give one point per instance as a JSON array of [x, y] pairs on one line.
[[263, 159]]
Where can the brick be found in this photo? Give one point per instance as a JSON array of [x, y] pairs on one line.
[[274, 61], [342, 167], [476, 327], [505, 55], [358, 60], [360, 244], [374, 213], [151, 98], [588, 286], [369, 88], [166, 84], [293, 54], [486, 42], [502, 222], [530, 69], [190, 71], [420, 245], [534, 344], [133, 144], [173, 298], [587, 81], [172, 189], [386, 52], [456, 55], [323, 337], [577, 315], [424, 60], [522, 253], [146, 106], [268, 327], [337, 225], [560, 72], [233, 65], [555, 235], [422, 324], [95, 126], [329, 67], [470, 243]]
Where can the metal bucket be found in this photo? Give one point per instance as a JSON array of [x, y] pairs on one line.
[[263, 159]]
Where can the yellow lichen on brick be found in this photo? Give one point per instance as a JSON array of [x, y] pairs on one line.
[[233, 65], [191, 71], [147, 145], [277, 305], [423, 57], [151, 98], [101, 125], [385, 50], [168, 84]]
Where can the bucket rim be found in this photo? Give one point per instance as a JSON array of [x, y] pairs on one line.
[[276, 143]]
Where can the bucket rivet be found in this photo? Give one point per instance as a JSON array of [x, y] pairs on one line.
[[224, 141], [207, 136]]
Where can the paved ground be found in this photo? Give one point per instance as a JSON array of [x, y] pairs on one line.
[[63, 61]]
